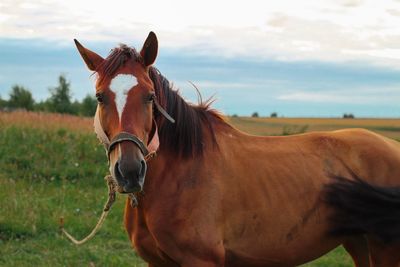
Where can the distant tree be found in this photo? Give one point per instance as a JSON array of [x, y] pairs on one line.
[[42, 106], [234, 116], [21, 98], [3, 103], [60, 99], [88, 106], [76, 107], [255, 115], [348, 116], [274, 115]]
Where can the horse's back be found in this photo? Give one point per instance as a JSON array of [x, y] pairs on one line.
[[370, 156], [362, 152], [274, 184]]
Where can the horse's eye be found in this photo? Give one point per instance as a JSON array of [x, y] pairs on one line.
[[99, 97], [151, 97]]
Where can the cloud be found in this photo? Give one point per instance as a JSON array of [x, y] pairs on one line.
[[315, 97], [331, 31], [351, 3], [361, 96], [394, 12]]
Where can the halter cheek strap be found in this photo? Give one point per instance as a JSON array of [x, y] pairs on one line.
[[163, 111]]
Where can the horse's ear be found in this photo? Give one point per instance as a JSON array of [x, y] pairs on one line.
[[149, 49], [91, 59]]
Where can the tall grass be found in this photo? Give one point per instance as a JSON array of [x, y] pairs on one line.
[[46, 121]]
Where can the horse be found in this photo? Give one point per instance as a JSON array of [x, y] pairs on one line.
[[211, 195]]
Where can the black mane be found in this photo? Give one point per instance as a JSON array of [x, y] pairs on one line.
[[186, 136]]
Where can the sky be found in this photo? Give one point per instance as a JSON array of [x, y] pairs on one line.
[[296, 58]]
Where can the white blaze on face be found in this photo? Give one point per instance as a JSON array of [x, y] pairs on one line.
[[120, 86]]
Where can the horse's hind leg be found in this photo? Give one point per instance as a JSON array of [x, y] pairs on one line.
[[357, 247], [384, 255]]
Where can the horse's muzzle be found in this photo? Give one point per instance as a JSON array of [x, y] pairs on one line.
[[130, 174]]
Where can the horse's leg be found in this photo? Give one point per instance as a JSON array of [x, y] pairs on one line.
[[357, 247], [384, 255]]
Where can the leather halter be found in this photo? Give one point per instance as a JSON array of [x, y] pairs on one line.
[[125, 136], [163, 111]]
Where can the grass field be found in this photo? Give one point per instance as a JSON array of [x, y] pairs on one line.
[[279, 126], [52, 166]]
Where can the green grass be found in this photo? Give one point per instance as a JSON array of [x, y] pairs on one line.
[[336, 258], [48, 173], [45, 174], [40, 154], [29, 233]]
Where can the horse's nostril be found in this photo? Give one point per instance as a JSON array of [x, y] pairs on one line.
[[118, 173], [143, 168], [118, 166]]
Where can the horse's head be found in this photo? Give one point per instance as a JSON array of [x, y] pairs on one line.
[[124, 117]]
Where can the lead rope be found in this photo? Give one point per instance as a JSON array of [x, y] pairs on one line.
[[112, 186], [111, 199]]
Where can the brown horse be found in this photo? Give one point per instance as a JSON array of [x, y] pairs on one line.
[[215, 196]]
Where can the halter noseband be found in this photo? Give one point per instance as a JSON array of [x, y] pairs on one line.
[[125, 136]]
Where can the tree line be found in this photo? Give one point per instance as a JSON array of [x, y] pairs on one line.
[[60, 100]]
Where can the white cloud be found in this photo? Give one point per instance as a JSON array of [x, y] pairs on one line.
[[285, 30], [315, 97], [388, 53], [360, 96]]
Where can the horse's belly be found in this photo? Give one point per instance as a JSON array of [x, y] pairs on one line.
[[294, 254], [278, 257], [279, 240]]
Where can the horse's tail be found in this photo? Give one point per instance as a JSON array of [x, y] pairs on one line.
[[362, 208]]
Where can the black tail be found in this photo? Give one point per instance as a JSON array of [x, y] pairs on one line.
[[362, 208]]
